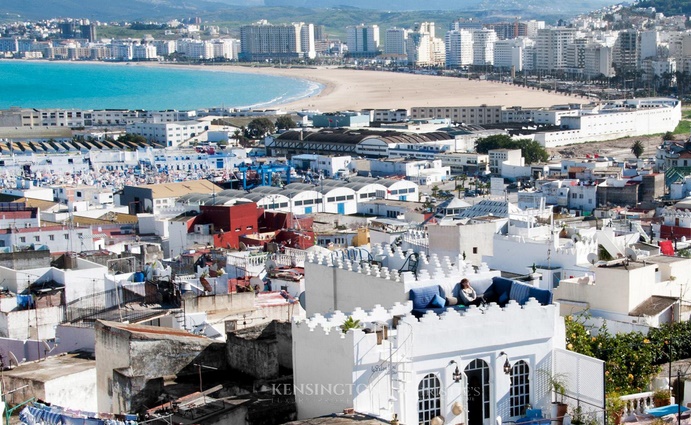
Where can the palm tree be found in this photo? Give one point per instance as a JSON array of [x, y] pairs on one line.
[[637, 149]]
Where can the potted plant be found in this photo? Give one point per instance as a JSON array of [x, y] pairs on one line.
[[662, 397], [350, 323], [615, 408], [557, 384]]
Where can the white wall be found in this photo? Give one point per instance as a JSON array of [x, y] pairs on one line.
[[324, 357], [74, 391], [346, 285], [23, 324]]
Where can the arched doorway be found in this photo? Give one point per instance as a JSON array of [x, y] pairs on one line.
[[520, 387], [477, 373], [428, 399]]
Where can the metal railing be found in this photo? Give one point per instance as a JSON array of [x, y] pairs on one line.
[[93, 305]]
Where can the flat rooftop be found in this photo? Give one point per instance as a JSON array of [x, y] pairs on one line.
[[51, 368]]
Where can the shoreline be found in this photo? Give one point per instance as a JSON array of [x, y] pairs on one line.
[[343, 89]]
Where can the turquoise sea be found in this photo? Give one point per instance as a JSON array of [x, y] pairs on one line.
[[81, 85]]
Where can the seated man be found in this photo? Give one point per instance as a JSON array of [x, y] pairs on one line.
[[467, 294]]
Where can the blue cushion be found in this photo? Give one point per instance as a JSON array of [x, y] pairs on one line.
[[421, 297], [543, 296], [437, 302], [503, 298], [520, 292]]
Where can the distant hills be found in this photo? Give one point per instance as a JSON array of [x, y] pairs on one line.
[[278, 10], [105, 10], [669, 7]]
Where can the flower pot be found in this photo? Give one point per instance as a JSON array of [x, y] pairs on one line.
[[658, 402], [558, 412]]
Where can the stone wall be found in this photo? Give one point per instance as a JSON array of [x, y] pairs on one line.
[[24, 260], [261, 351]]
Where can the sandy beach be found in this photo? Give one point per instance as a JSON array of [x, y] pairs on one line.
[[349, 89]]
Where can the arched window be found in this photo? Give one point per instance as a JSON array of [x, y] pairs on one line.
[[520, 387], [428, 399]]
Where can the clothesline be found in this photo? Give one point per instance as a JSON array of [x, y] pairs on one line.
[[41, 414]]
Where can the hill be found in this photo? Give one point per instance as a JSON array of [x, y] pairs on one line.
[[317, 11], [668, 7], [106, 10]]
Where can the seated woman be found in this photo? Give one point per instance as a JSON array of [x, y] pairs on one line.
[[467, 294]]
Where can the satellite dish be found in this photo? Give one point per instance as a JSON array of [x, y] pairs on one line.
[[592, 258], [270, 265], [13, 359], [301, 299], [631, 254], [242, 246], [256, 281]]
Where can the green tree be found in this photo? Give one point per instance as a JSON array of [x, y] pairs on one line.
[[630, 358], [260, 127], [668, 136], [497, 141], [132, 138], [531, 150], [285, 122], [637, 149]]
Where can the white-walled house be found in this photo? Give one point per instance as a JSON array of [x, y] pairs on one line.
[[327, 165], [477, 368], [630, 295]]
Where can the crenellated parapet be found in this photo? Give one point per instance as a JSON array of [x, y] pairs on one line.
[[333, 321], [492, 323], [390, 263]]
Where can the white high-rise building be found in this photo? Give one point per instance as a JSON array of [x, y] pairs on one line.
[[423, 48], [438, 51], [459, 48], [551, 46], [121, 51], [598, 60], [196, 49], [164, 47], [363, 38], [226, 48], [649, 43], [532, 26], [483, 47], [307, 45], [395, 41], [513, 53], [144, 52], [264, 41]]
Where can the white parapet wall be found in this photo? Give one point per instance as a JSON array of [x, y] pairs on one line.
[[335, 282]]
